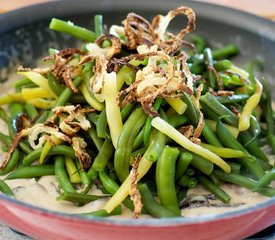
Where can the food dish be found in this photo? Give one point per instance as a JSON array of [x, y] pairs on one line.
[[267, 66]]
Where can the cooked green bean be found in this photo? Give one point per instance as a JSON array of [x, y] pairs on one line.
[[71, 29], [79, 197], [165, 175], [98, 19], [56, 150], [244, 182], [183, 163], [61, 174], [12, 162], [103, 156], [151, 205], [225, 52], [229, 141], [213, 188], [4, 188], [55, 86], [211, 102], [125, 143], [31, 171], [101, 124], [111, 186]]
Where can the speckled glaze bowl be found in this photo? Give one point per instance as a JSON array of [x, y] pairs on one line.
[[24, 37]]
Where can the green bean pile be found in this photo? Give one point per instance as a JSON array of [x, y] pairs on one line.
[[141, 114]]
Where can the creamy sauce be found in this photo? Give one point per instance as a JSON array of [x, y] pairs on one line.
[[43, 193]]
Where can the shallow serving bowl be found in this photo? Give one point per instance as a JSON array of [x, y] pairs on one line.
[[24, 37]]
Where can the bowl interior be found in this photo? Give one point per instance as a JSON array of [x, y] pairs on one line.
[[23, 42]]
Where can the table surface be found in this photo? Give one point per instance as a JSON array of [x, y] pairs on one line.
[[265, 8]]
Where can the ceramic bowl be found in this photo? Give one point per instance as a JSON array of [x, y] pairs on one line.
[[24, 37]]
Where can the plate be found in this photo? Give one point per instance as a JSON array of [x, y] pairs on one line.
[[24, 37]]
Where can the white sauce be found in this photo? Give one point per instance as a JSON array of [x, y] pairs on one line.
[[44, 192]]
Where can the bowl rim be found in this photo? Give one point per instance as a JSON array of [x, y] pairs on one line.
[[58, 8]]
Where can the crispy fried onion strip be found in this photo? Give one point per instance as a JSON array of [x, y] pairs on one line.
[[37, 136], [134, 191], [95, 49], [138, 30], [79, 146], [62, 68], [155, 80], [73, 117]]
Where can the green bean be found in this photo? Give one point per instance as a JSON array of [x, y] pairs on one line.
[[199, 42], [266, 179], [4, 188], [210, 135], [25, 147], [235, 167], [18, 84], [177, 120], [138, 142], [102, 213], [138, 152], [209, 61], [165, 175], [202, 164], [125, 142], [223, 65], [211, 102], [225, 52], [255, 127], [190, 172], [244, 182], [148, 126], [229, 141], [31, 111], [268, 115], [111, 186], [15, 109], [104, 155], [5, 139], [31, 171], [66, 94], [78, 99], [194, 117], [183, 163], [92, 174], [184, 180], [236, 98], [156, 147], [43, 117], [12, 162], [93, 135], [191, 112], [125, 112], [213, 188], [127, 75], [56, 150], [3, 115], [193, 182], [79, 197], [101, 124], [151, 205], [252, 146], [71, 29], [98, 23], [61, 174], [250, 69], [55, 86]]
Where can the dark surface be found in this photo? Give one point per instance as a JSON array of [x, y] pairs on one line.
[[24, 34]]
